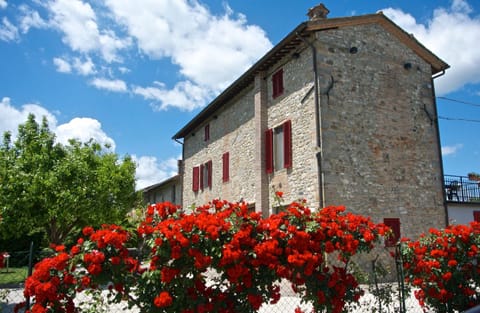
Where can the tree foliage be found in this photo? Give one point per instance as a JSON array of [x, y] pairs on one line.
[[58, 189]]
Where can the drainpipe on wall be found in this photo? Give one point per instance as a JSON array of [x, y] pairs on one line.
[[181, 169], [439, 145], [318, 122]]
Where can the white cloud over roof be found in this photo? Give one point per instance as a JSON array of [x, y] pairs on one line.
[[452, 34], [151, 171]]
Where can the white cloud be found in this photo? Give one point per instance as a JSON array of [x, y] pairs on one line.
[[11, 117], [210, 50], [151, 171], [30, 18], [78, 23], [3, 4], [115, 85], [451, 150], [8, 31], [452, 34], [84, 67], [84, 129], [185, 95], [62, 65]]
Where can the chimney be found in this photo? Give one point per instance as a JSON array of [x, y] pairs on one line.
[[318, 12]]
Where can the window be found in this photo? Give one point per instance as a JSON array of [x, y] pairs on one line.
[[394, 224], [196, 178], [206, 175], [207, 133], [202, 176], [476, 216], [278, 147], [226, 166], [277, 83]]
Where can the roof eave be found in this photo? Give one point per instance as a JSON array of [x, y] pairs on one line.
[[279, 50], [437, 64]]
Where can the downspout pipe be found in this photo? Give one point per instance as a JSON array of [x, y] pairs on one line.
[[439, 145], [318, 121], [181, 169]]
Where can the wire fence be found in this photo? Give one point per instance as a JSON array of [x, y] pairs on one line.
[[382, 280]]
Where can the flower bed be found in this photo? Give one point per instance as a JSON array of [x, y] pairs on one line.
[[249, 256]]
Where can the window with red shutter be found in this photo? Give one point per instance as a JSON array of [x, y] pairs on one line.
[[202, 176], [394, 224], [209, 173], [195, 178], [269, 151], [287, 144], [476, 216], [226, 167], [277, 83], [207, 132]]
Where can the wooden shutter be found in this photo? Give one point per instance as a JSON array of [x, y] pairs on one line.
[[269, 151], [209, 173], [195, 178], [394, 224], [226, 166], [476, 216], [287, 144], [202, 178], [277, 83], [207, 132]]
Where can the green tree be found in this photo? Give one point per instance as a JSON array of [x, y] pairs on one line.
[[58, 189]]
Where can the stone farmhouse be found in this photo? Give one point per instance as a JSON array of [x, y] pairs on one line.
[[342, 111]]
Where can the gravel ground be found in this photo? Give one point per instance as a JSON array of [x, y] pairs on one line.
[[287, 303]]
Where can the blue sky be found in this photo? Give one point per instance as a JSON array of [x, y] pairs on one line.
[[131, 73]]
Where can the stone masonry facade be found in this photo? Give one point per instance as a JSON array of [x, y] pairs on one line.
[[378, 145]]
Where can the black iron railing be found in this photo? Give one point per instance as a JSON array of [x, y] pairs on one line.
[[461, 189]]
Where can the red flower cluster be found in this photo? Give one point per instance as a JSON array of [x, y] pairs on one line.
[[445, 266], [250, 255], [99, 258], [52, 285], [218, 258]]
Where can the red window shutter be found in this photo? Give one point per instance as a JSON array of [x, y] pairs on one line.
[[287, 144], [269, 150], [196, 178], [202, 170], [209, 171], [476, 216], [207, 132], [277, 83], [226, 166], [394, 224]]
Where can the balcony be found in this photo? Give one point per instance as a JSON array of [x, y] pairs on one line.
[[461, 189]]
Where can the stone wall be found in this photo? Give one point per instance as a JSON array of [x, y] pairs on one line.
[[381, 150], [231, 130]]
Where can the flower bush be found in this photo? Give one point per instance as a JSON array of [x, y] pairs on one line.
[[218, 258], [445, 267]]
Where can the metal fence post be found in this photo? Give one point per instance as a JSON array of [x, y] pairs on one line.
[[30, 271], [400, 277]]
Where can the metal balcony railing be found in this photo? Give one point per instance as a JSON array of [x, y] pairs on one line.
[[461, 189]]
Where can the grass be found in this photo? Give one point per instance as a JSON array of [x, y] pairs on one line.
[[14, 275]]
